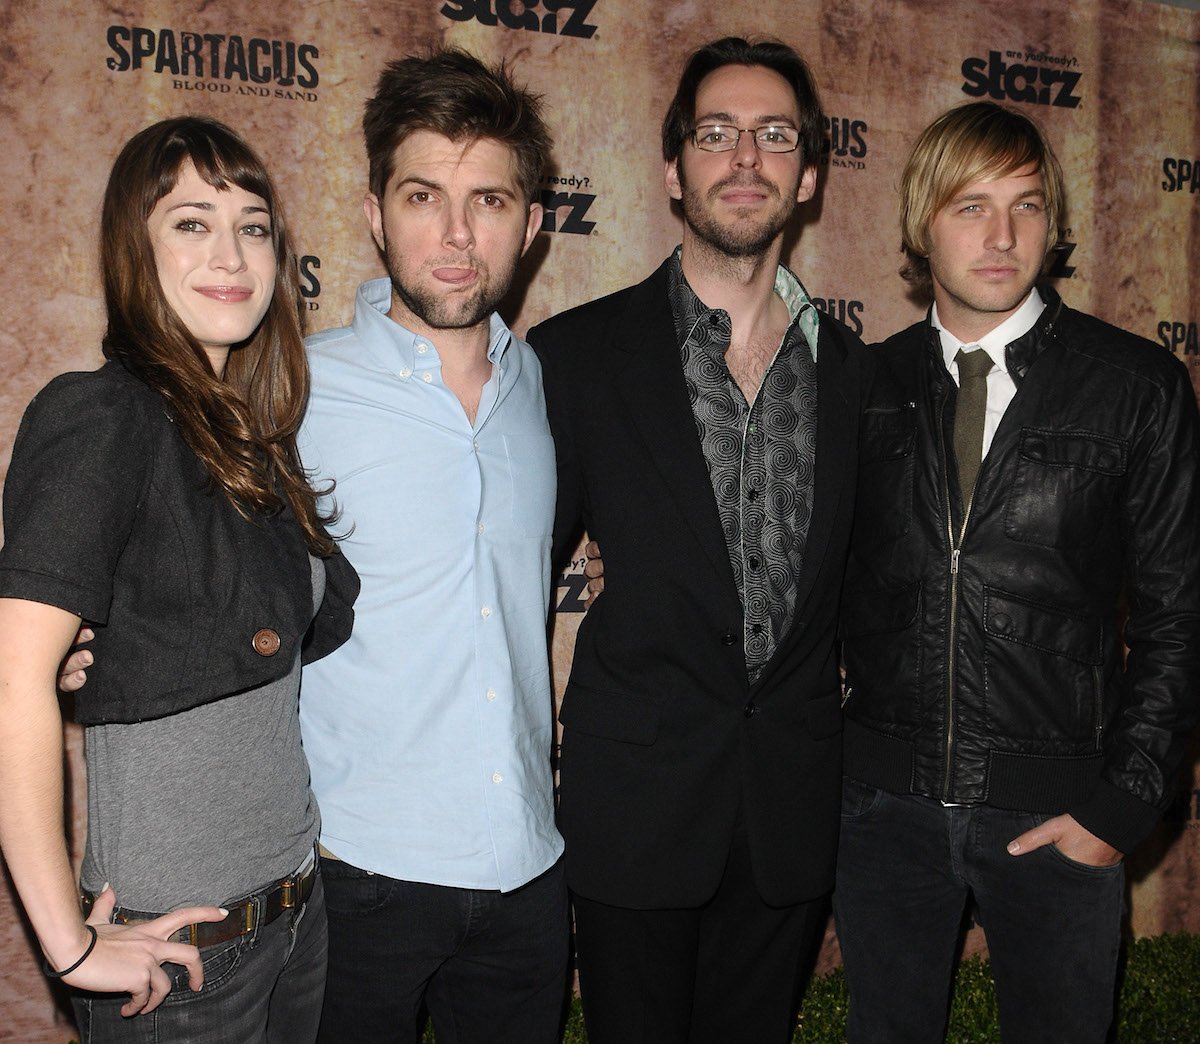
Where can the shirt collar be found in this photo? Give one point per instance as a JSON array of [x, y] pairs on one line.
[[395, 346], [801, 310], [995, 341]]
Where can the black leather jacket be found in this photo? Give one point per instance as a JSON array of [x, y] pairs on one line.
[[984, 657]]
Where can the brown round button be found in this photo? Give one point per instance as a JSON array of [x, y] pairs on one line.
[[265, 642]]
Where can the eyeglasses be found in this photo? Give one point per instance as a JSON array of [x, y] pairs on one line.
[[718, 137]]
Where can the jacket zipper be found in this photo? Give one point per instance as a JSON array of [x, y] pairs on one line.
[[955, 551]]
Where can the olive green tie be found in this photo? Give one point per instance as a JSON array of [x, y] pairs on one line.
[[973, 367]]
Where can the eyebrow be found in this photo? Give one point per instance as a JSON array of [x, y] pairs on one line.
[[759, 121], [254, 208], [970, 196], [478, 190]]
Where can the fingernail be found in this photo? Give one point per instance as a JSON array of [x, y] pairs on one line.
[[1013, 848], [224, 912], [104, 887]]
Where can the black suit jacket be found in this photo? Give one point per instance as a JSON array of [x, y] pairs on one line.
[[664, 736]]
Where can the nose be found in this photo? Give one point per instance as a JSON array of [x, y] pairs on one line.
[[745, 153], [458, 234], [1001, 231], [229, 253]]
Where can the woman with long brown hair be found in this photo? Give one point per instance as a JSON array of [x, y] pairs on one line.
[[160, 501]]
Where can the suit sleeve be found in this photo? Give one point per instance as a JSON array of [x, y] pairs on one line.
[[79, 464], [568, 515]]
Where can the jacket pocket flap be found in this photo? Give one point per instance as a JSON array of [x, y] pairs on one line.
[[1074, 449], [1042, 627], [876, 612], [887, 432], [611, 715]]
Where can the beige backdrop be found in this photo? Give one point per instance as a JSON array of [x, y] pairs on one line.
[[1114, 81]]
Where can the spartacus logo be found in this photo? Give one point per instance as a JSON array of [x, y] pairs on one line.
[[268, 68], [557, 17], [1179, 336], [1181, 175], [844, 310], [310, 284], [1023, 76], [845, 143]]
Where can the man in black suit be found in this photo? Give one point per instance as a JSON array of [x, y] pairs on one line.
[[705, 422]]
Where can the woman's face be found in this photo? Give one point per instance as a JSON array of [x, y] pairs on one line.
[[216, 261]]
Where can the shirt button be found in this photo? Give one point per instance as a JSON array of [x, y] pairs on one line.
[[265, 642], [427, 377], [756, 628], [485, 612], [497, 778], [491, 695], [751, 494], [480, 528], [728, 638], [406, 373], [422, 349], [750, 709], [755, 561]]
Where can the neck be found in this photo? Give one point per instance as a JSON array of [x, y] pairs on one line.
[[462, 351], [742, 286]]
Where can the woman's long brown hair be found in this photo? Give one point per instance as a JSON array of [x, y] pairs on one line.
[[242, 427]]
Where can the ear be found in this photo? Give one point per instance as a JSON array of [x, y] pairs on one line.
[[808, 184], [374, 215], [671, 179], [533, 224]]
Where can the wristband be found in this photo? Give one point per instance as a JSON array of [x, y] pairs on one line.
[[52, 974]]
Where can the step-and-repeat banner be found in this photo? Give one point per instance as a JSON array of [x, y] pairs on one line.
[[1115, 82]]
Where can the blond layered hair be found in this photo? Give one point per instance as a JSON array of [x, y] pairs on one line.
[[979, 141]]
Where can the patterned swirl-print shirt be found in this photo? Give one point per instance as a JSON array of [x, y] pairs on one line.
[[760, 455]]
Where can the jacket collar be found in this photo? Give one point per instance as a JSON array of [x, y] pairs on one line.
[[1019, 354]]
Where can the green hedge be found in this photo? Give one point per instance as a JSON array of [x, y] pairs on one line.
[[1159, 1000]]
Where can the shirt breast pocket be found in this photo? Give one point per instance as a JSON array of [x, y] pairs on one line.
[[533, 483], [1065, 482]]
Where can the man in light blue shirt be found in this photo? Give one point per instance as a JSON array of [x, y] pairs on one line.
[[430, 733]]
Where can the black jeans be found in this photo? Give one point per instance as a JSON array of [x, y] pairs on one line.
[[491, 967], [906, 866]]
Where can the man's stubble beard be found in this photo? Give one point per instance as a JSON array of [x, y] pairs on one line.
[[457, 311], [734, 242]]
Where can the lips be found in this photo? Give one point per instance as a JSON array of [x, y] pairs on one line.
[[227, 294], [455, 276]]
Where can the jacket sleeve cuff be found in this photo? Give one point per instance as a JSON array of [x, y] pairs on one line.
[[1116, 816]]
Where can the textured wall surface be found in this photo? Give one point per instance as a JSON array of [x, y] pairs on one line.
[[1114, 81]]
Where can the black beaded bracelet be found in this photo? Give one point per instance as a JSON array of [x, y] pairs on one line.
[[51, 973]]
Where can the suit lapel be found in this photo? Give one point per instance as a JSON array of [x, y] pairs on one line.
[[650, 381], [837, 427]]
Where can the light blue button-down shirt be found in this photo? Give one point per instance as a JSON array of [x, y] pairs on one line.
[[429, 732]]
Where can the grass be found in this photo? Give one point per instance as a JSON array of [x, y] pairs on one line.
[[1159, 1000]]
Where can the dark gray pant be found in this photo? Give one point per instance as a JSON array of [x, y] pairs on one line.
[[906, 866], [262, 988]]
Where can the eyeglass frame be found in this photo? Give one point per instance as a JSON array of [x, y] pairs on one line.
[[694, 134]]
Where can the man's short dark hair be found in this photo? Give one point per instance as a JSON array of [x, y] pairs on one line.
[[680, 120], [454, 94]]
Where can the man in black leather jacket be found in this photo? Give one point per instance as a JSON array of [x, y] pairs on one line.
[[999, 742]]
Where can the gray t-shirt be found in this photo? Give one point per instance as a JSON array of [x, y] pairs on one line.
[[203, 806]]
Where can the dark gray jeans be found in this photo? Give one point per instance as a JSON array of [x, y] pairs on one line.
[[262, 988], [906, 866]]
